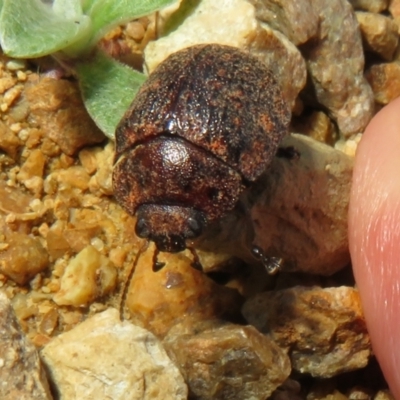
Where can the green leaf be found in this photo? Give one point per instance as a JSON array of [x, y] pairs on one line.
[[108, 88], [67, 9], [30, 28], [108, 13]]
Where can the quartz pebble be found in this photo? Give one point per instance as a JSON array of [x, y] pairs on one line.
[[226, 361], [350, 145], [22, 256], [105, 358], [379, 34], [22, 374], [101, 182], [375, 6], [9, 141], [272, 47], [296, 19], [289, 213], [318, 126], [384, 395], [88, 276], [13, 200], [336, 71], [324, 391], [55, 106], [199, 27], [328, 321], [73, 177], [33, 166], [394, 8], [384, 79], [358, 393]]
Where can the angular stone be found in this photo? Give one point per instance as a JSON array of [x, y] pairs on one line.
[[296, 19], [375, 6], [55, 106], [9, 141], [22, 375], [159, 300], [106, 358], [323, 329], [249, 34], [326, 389], [385, 81], [384, 395], [88, 276], [336, 71], [308, 213], [272, 47], [379, 33], [13, 200], [318, 126], [297, 210], [33, 166], [394, 8], [226, 361], [350, 145], [22, 256], [199, 27], [358, 392]]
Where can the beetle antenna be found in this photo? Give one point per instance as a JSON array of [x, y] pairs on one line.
[[128, 281]]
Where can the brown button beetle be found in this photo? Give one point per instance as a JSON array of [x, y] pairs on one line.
[[205, 124]]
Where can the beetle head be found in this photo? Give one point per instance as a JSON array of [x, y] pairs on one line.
[[169, 226]]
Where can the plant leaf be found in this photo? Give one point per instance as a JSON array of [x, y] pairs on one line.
[[108, 13], [108, 88], [67, 9], [30, 28]]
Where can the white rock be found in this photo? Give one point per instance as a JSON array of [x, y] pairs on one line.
[[211, 22], [89, 275], [104, 358]]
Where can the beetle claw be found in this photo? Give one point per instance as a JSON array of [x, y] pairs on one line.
[[271, 264], [157, 265], [196, 264]]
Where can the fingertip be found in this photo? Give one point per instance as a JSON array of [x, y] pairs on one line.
[[374, 236]]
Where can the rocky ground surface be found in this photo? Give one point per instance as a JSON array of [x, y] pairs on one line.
[[71, 265]]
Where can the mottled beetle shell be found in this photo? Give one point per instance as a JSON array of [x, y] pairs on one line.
[[206, 123]]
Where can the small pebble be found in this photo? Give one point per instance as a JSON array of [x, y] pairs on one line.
[[14, 65]]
